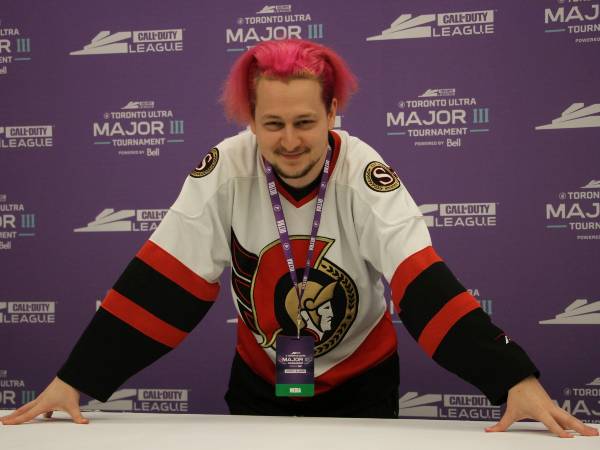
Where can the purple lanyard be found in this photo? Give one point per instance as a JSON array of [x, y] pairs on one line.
[[282, 227]]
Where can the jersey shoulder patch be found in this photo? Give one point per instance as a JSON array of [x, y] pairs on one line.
[[380, 177], [207, 165]]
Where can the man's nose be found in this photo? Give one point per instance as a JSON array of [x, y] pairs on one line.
[[290, 140]]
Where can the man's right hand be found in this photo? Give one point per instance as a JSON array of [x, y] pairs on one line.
[[58, 396]]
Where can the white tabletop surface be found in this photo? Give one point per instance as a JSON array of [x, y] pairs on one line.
[[133, 431]]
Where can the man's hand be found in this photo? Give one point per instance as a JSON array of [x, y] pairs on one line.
[[529, 400], [57, 396]]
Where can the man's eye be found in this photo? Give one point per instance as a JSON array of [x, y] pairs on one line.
[[273, 125], [305, 123]]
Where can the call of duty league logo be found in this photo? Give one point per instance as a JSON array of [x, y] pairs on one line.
[[469, 215], [577, 212], [152, 400], [127, 220], [126, 42], [272, 22], [580, 312], [439, 25], [575, 116], [448, 406], [15, 48], [575, 20], [16, 222], [438, 118], [26, 137], [139, 128], [19, 312]]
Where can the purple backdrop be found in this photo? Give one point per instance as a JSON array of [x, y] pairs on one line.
[[489, 111]]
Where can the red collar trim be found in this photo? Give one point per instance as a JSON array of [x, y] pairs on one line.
[[312, 194]]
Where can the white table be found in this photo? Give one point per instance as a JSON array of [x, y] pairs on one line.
[[133, 431]]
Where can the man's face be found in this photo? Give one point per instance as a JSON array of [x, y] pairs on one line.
[[291, 125]]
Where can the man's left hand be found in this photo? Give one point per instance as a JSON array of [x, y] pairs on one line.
[[529, 400]]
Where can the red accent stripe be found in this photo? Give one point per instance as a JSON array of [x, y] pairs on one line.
[[434, 332], [312, 194], [143, 321], [169, 266], [380, 344], [410, 269]]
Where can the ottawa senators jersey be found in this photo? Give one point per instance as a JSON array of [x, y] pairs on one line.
[[370, 228]]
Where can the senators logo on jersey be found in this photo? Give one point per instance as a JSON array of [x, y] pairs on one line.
[[380, 177], [207, 164], [267, 301]]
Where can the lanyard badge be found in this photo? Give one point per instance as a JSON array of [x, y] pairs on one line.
[[295, 354]]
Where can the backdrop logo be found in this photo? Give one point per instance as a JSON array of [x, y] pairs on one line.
[[124, 220], [438, 117], [138, 128], [448, 406], [575, 116], [272, 22], [14, 47], [450, 24], [577, 212], [26, 136], [27, 312], [580, 21], [580, 312], [486, 303], [147, 41], [15, 222], [143, 400], [13, 392], [583, 401], [444, 215]]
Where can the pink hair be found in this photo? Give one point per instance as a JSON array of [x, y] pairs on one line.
[[285, 60]]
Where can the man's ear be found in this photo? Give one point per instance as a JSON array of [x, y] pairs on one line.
[[252, 125], [332, 114]]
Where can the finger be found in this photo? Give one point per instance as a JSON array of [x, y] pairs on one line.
[[570, 422], [75, 414], [26, 407], [553, 426], [26, 416], [505, 422]]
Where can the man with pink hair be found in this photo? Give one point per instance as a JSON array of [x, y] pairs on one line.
[[288, 191]]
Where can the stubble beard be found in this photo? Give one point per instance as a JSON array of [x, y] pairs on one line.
[[296, 175]]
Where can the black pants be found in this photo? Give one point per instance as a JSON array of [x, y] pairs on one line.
[[373, 394]]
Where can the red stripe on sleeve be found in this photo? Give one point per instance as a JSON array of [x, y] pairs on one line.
[[143, 321], [437, 328], [410, 269], [176, 271]]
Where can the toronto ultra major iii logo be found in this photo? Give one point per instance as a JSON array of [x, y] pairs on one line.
[[268, 303]]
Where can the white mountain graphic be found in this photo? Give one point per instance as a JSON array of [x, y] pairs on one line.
[[593, 184], [596, 382], [117, 402], [106, 43], [580, 312], [406, 27], [109, 220], [410, 404], [575, 116]]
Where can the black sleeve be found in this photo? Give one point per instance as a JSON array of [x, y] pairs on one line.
[[451, 327], [148, 312]]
